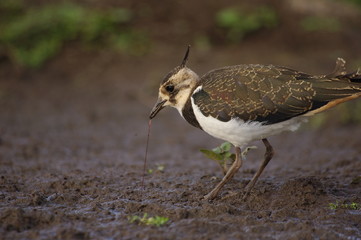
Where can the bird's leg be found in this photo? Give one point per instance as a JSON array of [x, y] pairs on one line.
[[232, 170], [229, 161], [267, 157]]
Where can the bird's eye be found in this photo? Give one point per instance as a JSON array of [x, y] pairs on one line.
[[169, 88]]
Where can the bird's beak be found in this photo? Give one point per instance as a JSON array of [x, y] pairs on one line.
[[159, 105]]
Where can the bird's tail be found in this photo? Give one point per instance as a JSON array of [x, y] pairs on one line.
[[340, 72], [354, 77], [336, 88]]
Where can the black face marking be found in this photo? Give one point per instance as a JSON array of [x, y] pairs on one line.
[[172, 97], [185, 59], [173, 94]]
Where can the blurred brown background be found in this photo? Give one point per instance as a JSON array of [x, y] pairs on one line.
[[78, 80], [140, 41]]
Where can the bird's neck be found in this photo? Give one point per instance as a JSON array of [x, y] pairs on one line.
[[187, 112]]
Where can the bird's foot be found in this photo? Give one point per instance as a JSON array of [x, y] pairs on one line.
[[245, 195], [231, 195], [210, 196], [247, 190]]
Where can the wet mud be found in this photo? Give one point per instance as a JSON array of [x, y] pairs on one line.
[[72, 149]]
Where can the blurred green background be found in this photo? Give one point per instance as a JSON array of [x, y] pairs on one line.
[[308, 35]]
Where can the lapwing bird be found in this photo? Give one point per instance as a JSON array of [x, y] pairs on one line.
[[244, 103]]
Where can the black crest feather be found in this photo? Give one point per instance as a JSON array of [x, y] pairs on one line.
[[185, 59]]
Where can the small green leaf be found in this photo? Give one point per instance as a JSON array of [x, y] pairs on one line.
[[157, 221], [151, 221], [227, 155], [333, 206], [350, 206], [217, 150], [226, 146], [354, 206], [212, 155], [160, 167]]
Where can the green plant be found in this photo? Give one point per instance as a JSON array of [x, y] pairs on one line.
[[38, 34], [150, 221], [350, 206], [321, 23], [159, 168], [223, 156], [238, 23]]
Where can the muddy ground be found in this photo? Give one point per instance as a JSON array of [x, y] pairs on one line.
[[72, 142]]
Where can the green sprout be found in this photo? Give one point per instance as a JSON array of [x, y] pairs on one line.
[[223, 156], [159, 168], [149, 221], [350, 206], [333, 206]]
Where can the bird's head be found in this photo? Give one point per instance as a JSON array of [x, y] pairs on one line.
[[176, 87]]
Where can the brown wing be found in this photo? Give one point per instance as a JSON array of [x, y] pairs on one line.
[[266, 93]]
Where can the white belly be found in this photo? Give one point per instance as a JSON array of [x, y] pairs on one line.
[[240, 133]]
